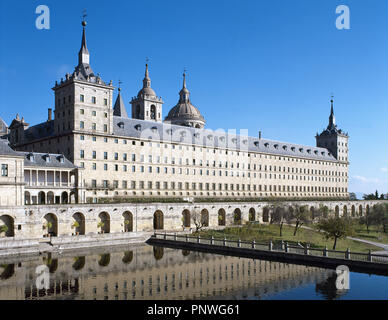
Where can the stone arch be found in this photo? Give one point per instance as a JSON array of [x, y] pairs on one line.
[[65, 197], [104, 260], [353, 210], [186, 218], [50, 224], [360, 210], [7, 271], [79, 263], [153, 112], [266, 214], [367, 209], [312, 212], [41, 198], [337, 211], [50, 197], [27, 198], [345, 210], [80, 219], [128, 221], [252, 214], [221, 217], [158, 253], [237, 216], [9, 224], [104, 222], [205, 218], [158, 220], [128, 257]]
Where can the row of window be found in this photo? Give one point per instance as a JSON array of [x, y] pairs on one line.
[[141, 185], [214, 164]]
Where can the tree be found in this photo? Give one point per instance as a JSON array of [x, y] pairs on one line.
[[352, 196], [300, 215], [379, 216], [336, 228], [323, 211], [198, 220], [280, 216]]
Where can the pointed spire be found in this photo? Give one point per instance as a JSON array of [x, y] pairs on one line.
[[332, 118], [83, 56], [147, 80], [184, 94], [119, 109]]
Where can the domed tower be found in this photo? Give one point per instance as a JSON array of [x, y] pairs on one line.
[[184, 113], [147, 106]]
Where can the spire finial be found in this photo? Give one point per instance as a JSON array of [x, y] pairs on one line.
[[120, 83], [184, 77], [146, 71], [84, 15]]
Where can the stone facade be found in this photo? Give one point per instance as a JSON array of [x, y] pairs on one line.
[[143, 157]]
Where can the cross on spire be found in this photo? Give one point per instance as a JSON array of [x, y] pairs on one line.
[[120, 83], [84, 15]]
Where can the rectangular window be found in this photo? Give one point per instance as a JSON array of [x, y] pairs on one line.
[[105, 102], [94, 183], [94, 155], [94, 100], [82, 154], [94, 166], [4, 170], [82, 125], [82, 99], [105, 128], [105, 155]]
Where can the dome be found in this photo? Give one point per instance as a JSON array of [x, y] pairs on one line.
[[184, 111], [146, 91]]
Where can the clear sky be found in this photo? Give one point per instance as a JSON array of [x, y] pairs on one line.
[[268, 65]]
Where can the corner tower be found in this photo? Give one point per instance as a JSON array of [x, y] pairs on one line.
[[147, 106], [334, 139]]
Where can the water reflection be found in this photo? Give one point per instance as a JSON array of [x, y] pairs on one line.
[[145, 272], [328, 288]]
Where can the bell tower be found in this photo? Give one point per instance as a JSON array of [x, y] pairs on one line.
[[147, 106]]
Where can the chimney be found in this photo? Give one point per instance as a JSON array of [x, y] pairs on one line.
[[259, 135], [50, 114]]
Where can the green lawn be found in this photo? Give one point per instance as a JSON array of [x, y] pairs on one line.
[[373, 235], [265, 233]]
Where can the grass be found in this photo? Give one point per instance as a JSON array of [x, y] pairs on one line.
[[374, 234], [265, 233]]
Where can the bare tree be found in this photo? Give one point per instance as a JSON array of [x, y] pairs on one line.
[[198, 220]]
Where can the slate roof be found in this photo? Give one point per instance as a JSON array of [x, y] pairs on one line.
[[42, 130], [164, 132], [6, 150], [119, 108], [39, 160]]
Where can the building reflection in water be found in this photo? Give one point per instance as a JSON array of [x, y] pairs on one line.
[[145, 272]]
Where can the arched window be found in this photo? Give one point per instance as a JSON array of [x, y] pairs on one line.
[[153, 112], [137, 112]]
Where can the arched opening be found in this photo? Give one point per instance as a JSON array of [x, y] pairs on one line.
[[50, 198], [137, 112], [360, 210], [153, 112], [237, 217], [353, 211], [367, 209], [221, 217], [128, 257], [104, 260], [205, 218], [345, 211], [79, 263], [65, 197], [266, 214], [51, 263], [312, 212], [27, 198], [41, 198], [186, 219], [252, 214], [79, 223], [158, 253], [158, 220], [128, 221], [337, 211], [7, 271], [50, 225], [185, 253], [7, 228], [104, 223]]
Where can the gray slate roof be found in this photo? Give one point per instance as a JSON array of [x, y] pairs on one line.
[[6, 150], [163, 132], [42, 130], [119, 108], [39, 160]]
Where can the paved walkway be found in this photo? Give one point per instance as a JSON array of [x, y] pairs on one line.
[[376, 244]]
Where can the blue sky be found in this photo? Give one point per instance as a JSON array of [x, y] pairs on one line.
[[256, 65]]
